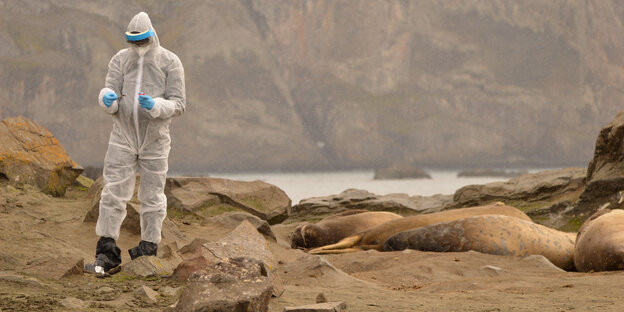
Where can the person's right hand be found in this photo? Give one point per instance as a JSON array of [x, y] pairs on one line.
[[109, 98]]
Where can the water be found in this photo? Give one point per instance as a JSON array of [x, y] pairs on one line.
[[299, 186]]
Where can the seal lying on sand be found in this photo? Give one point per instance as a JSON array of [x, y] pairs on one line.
[[498, 235], [375, 237], [600, 242], [337, 227]]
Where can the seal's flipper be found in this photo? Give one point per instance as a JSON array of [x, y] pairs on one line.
[[342, 244], [335, 251]]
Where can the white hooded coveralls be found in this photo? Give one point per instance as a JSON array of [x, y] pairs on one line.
[[140, 138]]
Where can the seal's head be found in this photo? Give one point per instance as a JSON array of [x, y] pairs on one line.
[[305, 236]]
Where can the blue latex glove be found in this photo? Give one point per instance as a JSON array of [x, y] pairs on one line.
[[146, 102], [109, 98]]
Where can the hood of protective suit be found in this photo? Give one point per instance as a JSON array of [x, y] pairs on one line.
[[141, 23]]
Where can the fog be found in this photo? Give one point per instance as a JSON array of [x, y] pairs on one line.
[[286, 85]]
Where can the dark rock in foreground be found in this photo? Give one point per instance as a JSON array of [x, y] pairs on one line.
[[234, 284]]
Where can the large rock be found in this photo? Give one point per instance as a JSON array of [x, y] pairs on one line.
[[547, 196], [243, 241], [236, 284], [605, 173], [318, 207], [30, 154], [207, 197], [152, 265], [235, 218]]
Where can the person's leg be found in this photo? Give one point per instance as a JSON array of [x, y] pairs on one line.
[[153, 205], [119, 177]]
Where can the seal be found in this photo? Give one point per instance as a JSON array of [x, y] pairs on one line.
[[375, 237], [600, 242], [491, 234], [336, 227]]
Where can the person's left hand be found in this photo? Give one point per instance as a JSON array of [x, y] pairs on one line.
[[146, 102]]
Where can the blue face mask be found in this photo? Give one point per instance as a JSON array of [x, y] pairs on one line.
[[134, 36]]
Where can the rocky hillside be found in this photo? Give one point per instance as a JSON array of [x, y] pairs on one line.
[[334, 84]]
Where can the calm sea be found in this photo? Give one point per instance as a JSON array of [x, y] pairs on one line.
[[299, 186]]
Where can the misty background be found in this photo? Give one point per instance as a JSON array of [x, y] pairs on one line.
[[333, 85]]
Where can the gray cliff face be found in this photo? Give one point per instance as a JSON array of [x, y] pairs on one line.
[[334, 84]]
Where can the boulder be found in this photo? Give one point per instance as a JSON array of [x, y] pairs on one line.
[[235, 218], [146, 293], [538, 186], [605, 173], [208, 197], [244, 241], [318, 207], [546, 196], [152, 266], [400, 172], [30, 154], [236, 284]]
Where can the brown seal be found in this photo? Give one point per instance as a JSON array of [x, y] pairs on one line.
[[491, 234], [375, 237], [600, 242], [336, 227]]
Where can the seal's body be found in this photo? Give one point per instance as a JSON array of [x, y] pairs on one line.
[[491, 234], [600, 242], [334, 228], [375, 237]]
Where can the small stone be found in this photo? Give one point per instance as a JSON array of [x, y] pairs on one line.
[[73, 303], [319, 307], [170, 291], [147, 293], [492, 270], [320, 298], [104, 290]]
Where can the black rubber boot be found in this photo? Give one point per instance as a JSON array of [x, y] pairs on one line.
[[145, 248], [107, 256]]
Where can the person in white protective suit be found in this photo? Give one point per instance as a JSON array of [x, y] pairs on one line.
[[144, 89]]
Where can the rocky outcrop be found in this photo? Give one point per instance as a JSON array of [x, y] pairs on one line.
[[400, 172], [402, 204], [605, 173], [30, 154], [485, 172], [535, 187], [548, 197], [206, 197]]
